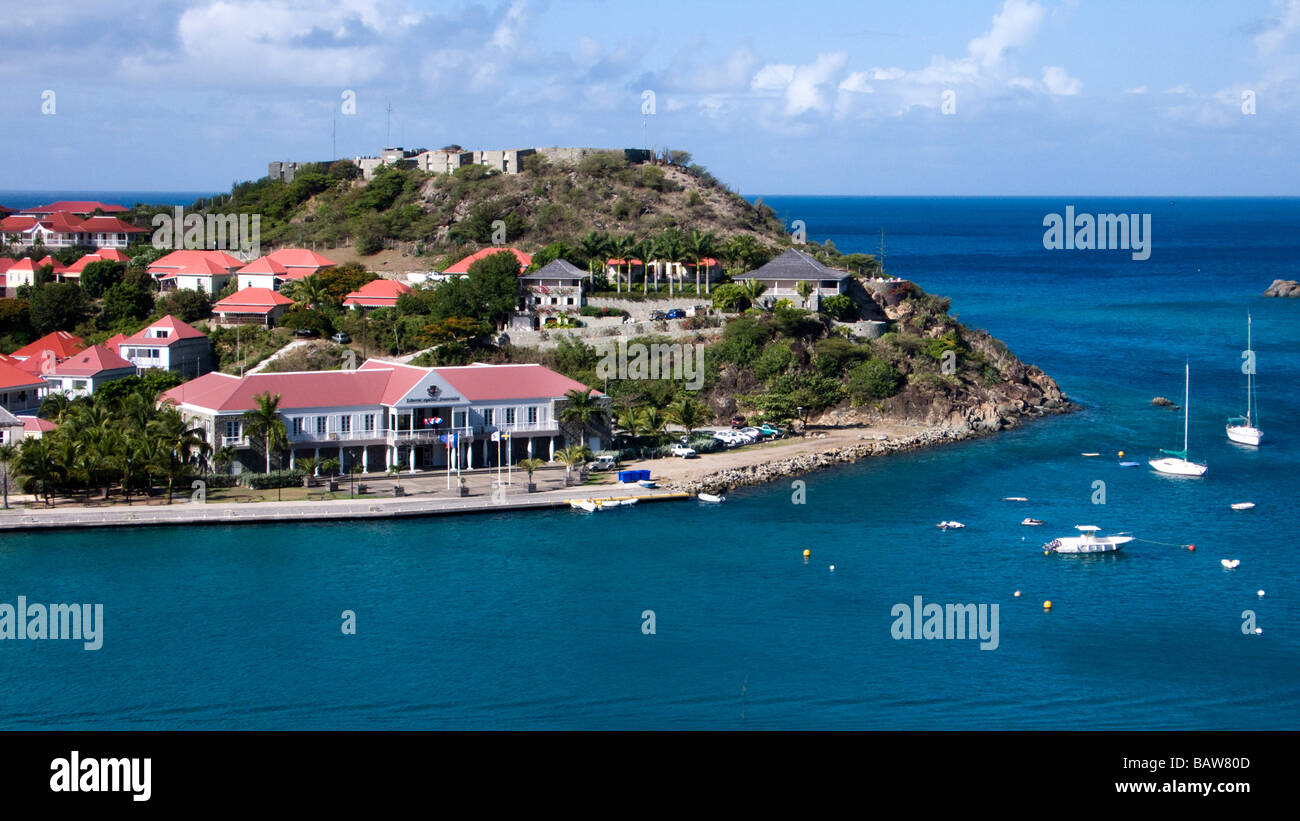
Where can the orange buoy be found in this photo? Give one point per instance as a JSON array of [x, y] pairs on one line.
[[1191, 547]]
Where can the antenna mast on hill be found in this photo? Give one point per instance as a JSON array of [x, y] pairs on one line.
[[388, 128], [880, 252]]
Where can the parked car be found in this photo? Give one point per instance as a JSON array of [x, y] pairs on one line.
[[684, 451], [775, 433], [341, 338], [603, 463], [305, 333], [675, 313], [738, 421], [655, 316]]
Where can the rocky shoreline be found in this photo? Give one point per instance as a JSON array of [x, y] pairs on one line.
[[757, 474]]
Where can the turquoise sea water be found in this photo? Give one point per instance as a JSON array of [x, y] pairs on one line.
[[534, 620]]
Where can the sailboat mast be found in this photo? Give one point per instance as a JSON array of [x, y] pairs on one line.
[[1250, 377], [1187, 394]]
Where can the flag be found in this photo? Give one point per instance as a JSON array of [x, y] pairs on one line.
[[496, 436], [437, 420]]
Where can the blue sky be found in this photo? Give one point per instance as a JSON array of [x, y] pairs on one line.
[[1054, 97]]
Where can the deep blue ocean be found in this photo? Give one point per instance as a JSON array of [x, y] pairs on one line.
[[535, 620], [17, 199]]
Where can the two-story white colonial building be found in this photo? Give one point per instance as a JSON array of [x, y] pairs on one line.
[[386, 414]]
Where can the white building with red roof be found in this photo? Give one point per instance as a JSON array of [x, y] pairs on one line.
[[80, 207], [11, 428], [208, 271], [21, 391], [171, 345], [23, 272], [378, 293], [53, 347], [252, 306], [386, 414], [64, 229], [82, 373], [462, 266], [278, 267], [74, 270]]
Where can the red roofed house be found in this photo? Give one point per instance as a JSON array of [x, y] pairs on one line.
[[276, 268], [171, 345], [20, 390], [248, 306], [462, 267], [81, 373], [54, 346], [23, 272], [5, 264], [34, 427], [387, 414], [208, 271], [378, 293], [63, 229], [103, 255], [81, 207], [11, 428]]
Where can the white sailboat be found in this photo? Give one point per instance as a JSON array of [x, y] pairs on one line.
[[1242, 429], [1176, 462]]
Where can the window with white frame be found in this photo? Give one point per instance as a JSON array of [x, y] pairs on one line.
[[510, 416], [321, 422], [489, 416], [345, 423], [532, 414]]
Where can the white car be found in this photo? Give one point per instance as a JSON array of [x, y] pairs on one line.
[[684, 451]]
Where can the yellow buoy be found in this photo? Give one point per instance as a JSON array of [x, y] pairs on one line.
[[807, 553], [1047, 552], [1121, 454], [1047, 605]]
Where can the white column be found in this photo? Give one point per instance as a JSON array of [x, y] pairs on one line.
[[341, 469], [316, 471], [365, 459], [552, 438], [292, 452], [411, 453]]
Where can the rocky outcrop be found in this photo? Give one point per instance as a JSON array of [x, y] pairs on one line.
[[806, 463], [1162, 402], [1284, 288]]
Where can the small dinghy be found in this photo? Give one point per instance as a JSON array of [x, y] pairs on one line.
[[647, 483], [1090, 455], [1032, 522], [1242, 505], [1230, 564], [1015, 498], [1129, 464], [950, 525], [709, 497]]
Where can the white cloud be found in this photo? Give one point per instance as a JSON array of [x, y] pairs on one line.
[[1136, 90], [1014, 25], [1060, 83], [856, 82], [1288, 23], [801, 86]]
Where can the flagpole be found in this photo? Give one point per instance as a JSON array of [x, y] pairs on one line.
[[447, 448], [509, 474]]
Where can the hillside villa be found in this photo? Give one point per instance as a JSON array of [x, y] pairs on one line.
[[378, 293], [208, 271], [461, 266], [252, 306], [784, 273], [82, 373], [169, 344], [385, 414], [278, 267]]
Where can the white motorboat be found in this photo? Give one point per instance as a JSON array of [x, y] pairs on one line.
[[588, 505], [709, 497], [1032, 522], [592, 505], [1242, 505], [950, 525], [1015, 498], [1230, 564], [1242, 429], [1088, 541], [1177, 463], [650, 483]]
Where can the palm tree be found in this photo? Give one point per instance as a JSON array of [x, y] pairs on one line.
[[173, 432], [571, 456], [646, 249], [688, 413], [36, 461], [804, 290], [702, 247], [752, 290], [623, 248], [309, 465], [310, 292], [594, 245], [529, 465], [8, 453], [582, 409], [673, 248], [264, 423], [650, 420], [223, 457]]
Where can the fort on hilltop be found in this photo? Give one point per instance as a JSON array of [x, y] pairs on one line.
[[447, 160]]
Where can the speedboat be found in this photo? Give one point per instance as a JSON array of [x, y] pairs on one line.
[[1087, 541], [1032, 522], [709, 497], [950, 525], [1242, 505]]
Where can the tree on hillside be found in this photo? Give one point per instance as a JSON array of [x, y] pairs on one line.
[[125, 300], [97, 277], [58, 306], [702, 247], [186, 304]]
